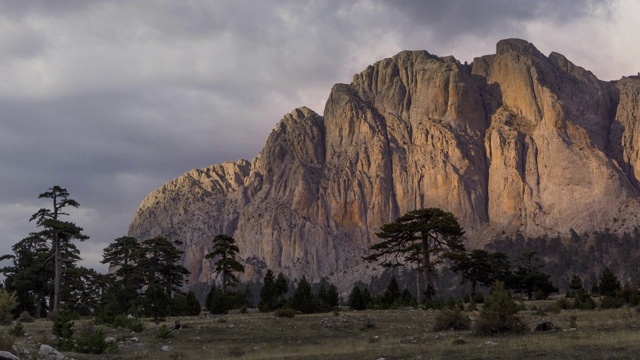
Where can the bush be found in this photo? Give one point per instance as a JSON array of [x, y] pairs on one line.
[[452, 319], [611, 302], [6, 343], [126, 322], [164, 332], [8, 303], [92, 341], [285, 312], [564, 303], [478, 298], [25, 317], [63, 329], [584, 301], [17, 330], [498, 314]]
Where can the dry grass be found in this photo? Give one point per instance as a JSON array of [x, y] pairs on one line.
[[392, 334]]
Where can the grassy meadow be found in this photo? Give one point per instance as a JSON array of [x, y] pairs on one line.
[[371, 334]]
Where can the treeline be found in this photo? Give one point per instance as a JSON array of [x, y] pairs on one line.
[[146, 279], [583, 254]]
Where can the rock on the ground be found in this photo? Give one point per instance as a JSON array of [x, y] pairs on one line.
[[49, 353], [5, 355]]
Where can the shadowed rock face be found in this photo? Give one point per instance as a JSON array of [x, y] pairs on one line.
[[515, 141]]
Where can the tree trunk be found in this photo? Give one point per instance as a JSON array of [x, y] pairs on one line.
[[58, 274], [426, 269]]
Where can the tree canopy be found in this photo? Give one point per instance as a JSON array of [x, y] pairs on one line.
[[224, 252], [422, 238]]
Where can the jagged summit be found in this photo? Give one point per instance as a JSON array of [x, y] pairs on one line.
[[515, 141]]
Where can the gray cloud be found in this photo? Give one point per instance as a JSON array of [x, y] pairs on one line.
[[111, 99]]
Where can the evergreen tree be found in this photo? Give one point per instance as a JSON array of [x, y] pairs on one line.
[[498, 313], [332, 297], [420, 237], [127, 281], [302, 298], [480, 267], [529, 277], [282, 288], [609, 285], [193, 305], [29, 274], [147, 275], [359, 299], [225, 251], [391, 294], [217, 301], [575, 285], [59, 233], [63, 329], [268, 293]]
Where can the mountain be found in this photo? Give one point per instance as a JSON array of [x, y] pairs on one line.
[[513, 142]]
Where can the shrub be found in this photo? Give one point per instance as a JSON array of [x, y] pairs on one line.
[[478, 298], [452, 319], [611, 302], [164, 332], [634, 299], [584, 301], [498, 314], [564, 303], [6, 342], [8, 303], [92, 341], [17, 330], [63, 329], [285, 312], [25, 317], [572, 321], [126, 322]]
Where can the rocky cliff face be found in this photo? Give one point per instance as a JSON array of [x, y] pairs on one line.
[[515, 141]]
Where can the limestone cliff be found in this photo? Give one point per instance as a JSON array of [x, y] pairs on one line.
[[515, 141]]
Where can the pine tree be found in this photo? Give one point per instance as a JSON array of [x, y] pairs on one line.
[[63, 329], [359, 299], [302, 298], [609, 285], [420, 237], [59, 233], [193, 305], [498, 313], [529, 277], [391, 294], [217, 301], [225, 251], [268, 293]]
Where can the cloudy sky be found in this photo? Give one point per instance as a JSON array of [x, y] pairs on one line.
[[110, 99]]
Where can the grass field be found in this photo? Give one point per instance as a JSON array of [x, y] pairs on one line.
[[389, 334]]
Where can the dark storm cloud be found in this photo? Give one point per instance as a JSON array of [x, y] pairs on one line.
[[449, 19]]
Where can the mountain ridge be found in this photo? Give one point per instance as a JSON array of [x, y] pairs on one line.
[[513, 142]]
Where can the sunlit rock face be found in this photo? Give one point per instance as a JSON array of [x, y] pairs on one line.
[[516, 141]]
